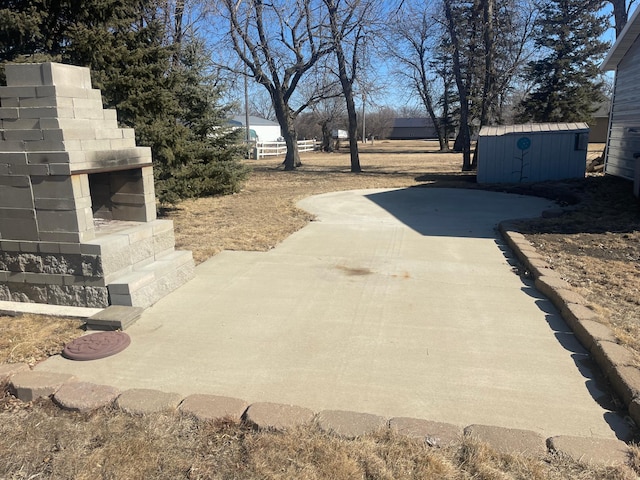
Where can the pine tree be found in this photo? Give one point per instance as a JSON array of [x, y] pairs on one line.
[[158, 87], [568, 84], [205, 156]]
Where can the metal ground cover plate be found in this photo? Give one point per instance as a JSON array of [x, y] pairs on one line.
[[96, 345]]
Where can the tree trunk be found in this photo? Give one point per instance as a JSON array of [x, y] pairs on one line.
[[347, 87], [465, 138], [487, 87], [353, 133], [327, 143], [292, 158], [446, 119], [427, 102], [177, 25], [489, 77], [289, 133], [619, 14], [442, 140]]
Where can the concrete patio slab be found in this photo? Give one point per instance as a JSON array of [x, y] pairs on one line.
[[399, 303]]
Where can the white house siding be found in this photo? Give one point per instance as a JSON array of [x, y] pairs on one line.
[[624, 130], [552, 154]]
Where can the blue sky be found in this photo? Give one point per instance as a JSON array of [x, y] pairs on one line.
[[396, 96]]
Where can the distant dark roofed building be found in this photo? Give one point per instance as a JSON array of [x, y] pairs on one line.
[[599, 128], [412, 128]]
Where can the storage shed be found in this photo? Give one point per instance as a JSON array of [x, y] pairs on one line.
[[532, 153], [623, 144]]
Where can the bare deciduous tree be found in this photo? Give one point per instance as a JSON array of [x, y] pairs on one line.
[[279, 43], [464, 134], [380, 122], [348, 21], [489, 40], [261, 106], [620, 13], [412, 43]]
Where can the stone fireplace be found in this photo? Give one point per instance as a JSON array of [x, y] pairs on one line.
[[77, 205]]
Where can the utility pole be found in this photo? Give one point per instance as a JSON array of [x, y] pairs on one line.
[[364, 120], [246, 108], [246, 98]]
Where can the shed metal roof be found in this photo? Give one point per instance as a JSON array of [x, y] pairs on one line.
[[624, 42], [498, 130]]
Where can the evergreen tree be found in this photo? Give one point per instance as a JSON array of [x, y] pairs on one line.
[[205, 157], [159, 87], [568, 84]]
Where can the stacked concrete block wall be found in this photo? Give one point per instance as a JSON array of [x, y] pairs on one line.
[[66, 168]]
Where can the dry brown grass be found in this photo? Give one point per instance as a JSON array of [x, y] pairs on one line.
[[32, 338], [110, 444]]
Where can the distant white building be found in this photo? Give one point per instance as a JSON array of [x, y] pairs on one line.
[[340, 134], [260, 129]]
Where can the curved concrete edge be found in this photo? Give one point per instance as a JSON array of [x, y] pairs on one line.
[[615, 361], [71, 394]]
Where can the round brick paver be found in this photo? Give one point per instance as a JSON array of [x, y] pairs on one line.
[[213, 407], [276, 416], [96, 345], [350, 424], [140, 401], [84, 396], [434, 434]]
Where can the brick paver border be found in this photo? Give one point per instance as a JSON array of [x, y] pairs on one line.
[[71, 394]]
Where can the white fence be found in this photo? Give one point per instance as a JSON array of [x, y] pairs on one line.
[[268, 149]]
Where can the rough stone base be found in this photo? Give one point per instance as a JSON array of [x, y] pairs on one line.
[[71, 295]]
